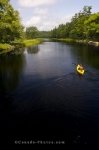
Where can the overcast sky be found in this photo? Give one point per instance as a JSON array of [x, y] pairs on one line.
[[46, 14]]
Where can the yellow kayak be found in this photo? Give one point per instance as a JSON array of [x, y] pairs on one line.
[[80, 69]]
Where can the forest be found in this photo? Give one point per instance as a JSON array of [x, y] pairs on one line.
[[84, 25]]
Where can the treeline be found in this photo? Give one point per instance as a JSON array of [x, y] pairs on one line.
[[11, 28], [83, 25], [12, 32], [32, 32]]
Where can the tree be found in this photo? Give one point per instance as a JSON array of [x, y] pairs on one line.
[[11, 28], [54, 33], [83, 25], [31, 32], [92, 26], [87, 10], [44, 34], [77, 23]]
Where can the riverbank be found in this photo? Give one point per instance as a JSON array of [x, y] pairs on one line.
[[6, 48], [32, 42], [23, 43], [69, 40]]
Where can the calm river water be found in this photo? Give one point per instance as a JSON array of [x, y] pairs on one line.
[[42, 98]]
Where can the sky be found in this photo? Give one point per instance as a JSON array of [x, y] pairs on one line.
[[46, 14]]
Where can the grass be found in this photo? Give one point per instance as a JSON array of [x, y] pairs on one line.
[[18, 44], [67, 40], [70, 40], [5, 48], [79, 41], [31, 42]]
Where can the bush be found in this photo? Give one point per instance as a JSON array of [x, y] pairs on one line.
[[5, 47]]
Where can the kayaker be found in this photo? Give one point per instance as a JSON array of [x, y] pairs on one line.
[[81, 67]]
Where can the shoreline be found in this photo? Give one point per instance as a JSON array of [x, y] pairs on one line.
[[31, 42], [86, 42], [4, 47]]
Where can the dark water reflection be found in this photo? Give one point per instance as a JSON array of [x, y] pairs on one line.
[[11, 67], [43, 98], [89, 55], [33, 50]]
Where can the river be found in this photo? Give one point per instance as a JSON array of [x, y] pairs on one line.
[[42, 98]]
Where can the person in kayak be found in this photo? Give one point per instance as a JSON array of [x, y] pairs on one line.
[[81, 67]]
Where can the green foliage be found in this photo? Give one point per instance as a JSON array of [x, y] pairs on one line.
[[10, 24], [31, 42], [44, 34], [5, 48], [67, 40], [31, 32], [83, 25], [92, 26]]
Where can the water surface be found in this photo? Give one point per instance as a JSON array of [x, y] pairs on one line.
[[43, 98]]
